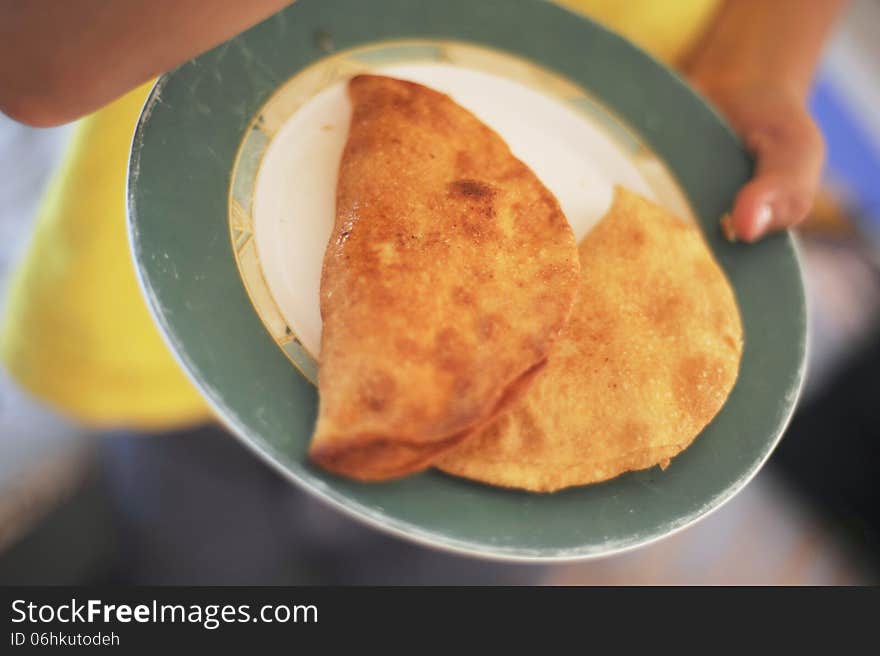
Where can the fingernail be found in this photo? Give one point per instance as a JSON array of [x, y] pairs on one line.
[[763, 219]]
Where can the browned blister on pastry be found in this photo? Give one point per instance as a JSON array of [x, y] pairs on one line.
[[450, 273], [649, 356]]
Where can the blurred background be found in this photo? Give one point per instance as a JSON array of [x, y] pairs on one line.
[[197, 508]]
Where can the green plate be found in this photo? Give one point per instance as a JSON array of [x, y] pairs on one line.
[[181, 193]]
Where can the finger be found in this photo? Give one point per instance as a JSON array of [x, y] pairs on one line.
[[787, 174]]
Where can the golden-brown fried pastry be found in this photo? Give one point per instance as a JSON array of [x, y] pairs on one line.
[[649, 356], [450, 272]]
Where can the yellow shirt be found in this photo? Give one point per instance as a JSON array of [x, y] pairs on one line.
[[76, 331], [665, 28]]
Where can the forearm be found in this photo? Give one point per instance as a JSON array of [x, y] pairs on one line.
[[777, 41], [61, 59]]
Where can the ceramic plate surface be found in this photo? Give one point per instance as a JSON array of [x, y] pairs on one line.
[[231, 191]]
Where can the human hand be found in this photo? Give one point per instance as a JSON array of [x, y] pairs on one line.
[[777, 129]]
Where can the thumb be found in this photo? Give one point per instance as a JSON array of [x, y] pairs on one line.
[[787, 173]]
